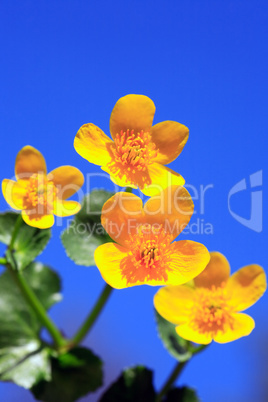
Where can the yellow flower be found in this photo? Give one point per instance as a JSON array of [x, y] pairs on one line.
[[40, 195], [139, 151], [145, 253], [210, 310]]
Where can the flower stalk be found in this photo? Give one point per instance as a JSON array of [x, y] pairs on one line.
[[15, 232], [176, 372], [173, 376], [37, 307], [92, 317], [28, 293]]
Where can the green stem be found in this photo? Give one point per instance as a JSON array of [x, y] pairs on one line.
[[128, 190], [27, 292], [38, 308], [198, 349], [15, 232], [90, 320], [174, 374], [3, 261]]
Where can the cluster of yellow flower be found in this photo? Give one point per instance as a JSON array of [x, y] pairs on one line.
[[199, 295]]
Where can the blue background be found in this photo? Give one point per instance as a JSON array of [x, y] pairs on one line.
[[204, 64]]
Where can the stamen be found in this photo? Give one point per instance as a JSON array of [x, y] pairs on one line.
[[149, 256], [40, 196], [132, 154], [212, 311]]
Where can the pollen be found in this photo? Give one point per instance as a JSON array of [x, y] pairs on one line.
[[212, 311], [39, 196], [149, 256], [132, 153]]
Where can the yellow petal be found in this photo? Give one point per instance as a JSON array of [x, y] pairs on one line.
[[117, 269], [216, 272], [29, 161], [132, 112], [246, 286], [66, 208], [67, 179], [119, 181], [92, 144], [175, 303], [172, 208], [38, 221], [120, 216], [161, 177], [108, 259], [169, 138], [188, 259], [243, 325], [13, 193], [188, 333]]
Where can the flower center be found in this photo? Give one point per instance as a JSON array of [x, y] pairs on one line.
[[212, 311], [149, 256], [39, 196], [132, 154]]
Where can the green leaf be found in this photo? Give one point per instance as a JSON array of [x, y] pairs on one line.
[[134, 384], [23, 358], [30, 241], [74, 375], [182, 394], [25, 365], [86, 233], [177, 346]]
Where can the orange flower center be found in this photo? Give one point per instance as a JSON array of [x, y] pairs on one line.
[[149, 256], [132, 154], [39, 196], [212, 311]]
